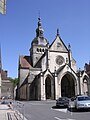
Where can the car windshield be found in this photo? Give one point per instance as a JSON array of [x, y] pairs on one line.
[[63, 98], [83, 98]]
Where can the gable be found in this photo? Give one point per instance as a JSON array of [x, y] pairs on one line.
[[66, 69], [47, 73], [58, 45]]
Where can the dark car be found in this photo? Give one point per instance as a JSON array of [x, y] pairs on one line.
[[62, 102], [4, 102]]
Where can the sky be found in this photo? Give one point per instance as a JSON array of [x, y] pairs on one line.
[[18, 28]]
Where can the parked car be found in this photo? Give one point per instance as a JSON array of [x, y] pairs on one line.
[[4, 102], [82, 102], [62, 102]]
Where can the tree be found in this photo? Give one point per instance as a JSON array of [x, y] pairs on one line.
[[14, 82]]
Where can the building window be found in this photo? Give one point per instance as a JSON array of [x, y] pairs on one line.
[[43, 50], [40, 49], [37, 50]]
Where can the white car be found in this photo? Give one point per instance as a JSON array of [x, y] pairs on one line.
[[82, 102]]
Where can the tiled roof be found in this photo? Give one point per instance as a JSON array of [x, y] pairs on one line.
[[24, 62]]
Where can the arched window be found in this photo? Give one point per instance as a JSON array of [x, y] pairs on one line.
[[43, 50], [40, 49], [85, 85], [37, 50]]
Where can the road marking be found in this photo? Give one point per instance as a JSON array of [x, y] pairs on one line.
[[63, 119], [57, 118], [61, 110], [37, 104], [70, 119]]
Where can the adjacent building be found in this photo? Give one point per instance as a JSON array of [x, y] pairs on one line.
[[6, 86], [7, 89], [87, 68], [50, 70]]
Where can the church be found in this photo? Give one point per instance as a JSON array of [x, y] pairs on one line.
[[50, 70]]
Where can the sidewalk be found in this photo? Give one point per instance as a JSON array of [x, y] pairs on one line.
[[6, 113], [3, 112], [3, 115]]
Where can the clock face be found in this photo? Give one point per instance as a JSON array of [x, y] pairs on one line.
[[59, 60]]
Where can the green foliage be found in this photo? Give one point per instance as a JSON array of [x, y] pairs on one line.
[[14, 81]]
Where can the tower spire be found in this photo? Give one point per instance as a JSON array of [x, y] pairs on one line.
[[69, 47], [39, 14], [39, 30], [57, 31]]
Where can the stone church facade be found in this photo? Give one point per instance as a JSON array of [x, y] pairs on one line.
[[50, 71]]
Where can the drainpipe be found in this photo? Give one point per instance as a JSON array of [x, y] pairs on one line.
[[79, 78], [56, 86]]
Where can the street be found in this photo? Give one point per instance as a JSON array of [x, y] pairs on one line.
[[46, 110]]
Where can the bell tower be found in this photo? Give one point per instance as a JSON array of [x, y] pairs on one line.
[[38, 45]]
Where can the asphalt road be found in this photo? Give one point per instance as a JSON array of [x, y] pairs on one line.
[[46, 110]]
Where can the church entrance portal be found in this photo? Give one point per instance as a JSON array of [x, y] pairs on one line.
[[67, 86], [48, 88]]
